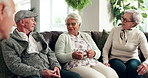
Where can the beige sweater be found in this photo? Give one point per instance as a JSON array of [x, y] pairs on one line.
[[135, 39]]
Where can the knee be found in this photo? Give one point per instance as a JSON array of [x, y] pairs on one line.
[[115, 61], [133, 64], [74, 75], [111, 73], [96, 76], [117, 64]]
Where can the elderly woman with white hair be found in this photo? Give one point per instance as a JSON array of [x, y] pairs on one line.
[[79, 52], [124, 42]]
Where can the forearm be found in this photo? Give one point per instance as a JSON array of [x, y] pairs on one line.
[[64, 57]]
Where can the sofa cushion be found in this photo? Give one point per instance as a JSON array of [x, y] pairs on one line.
[[102, 40]]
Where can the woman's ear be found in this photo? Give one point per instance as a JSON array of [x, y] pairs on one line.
[[2, 7]]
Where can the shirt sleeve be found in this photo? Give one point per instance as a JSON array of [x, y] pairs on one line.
[[144, 46], [107, 47]]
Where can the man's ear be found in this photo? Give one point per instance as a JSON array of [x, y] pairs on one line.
[[21, 22], [2, 7]]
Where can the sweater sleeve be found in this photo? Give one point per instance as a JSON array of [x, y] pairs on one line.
[[107, 47], [53, 60], [94, 46], [14, 62], [144, 46], [62, 56], [51, 56]]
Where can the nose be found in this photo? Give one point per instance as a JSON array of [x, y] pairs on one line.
[[34, 23]]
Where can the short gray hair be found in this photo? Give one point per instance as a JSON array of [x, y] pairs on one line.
[[74, 16], [7, 8], [136, 15]]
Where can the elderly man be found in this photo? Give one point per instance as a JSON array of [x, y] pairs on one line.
[[7, 9], [26, 53], [6, 17]]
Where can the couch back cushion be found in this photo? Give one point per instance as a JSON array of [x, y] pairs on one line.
[[51, 38]]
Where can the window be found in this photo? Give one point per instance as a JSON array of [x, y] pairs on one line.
[[145, 25], [52, 17]]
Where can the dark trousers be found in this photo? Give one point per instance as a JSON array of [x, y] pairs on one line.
[[64, 74], [126, 70]]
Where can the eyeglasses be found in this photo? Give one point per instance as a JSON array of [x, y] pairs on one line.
[[125, 20], [73, 24]]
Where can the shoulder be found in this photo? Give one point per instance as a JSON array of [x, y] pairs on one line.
[[65, 34], [116, 28], [9, 42], [84, 33], [138, 32]]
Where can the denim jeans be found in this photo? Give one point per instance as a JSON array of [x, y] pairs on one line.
[[126, 70], [64, 74]]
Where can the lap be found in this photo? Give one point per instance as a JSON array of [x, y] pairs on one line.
[[69, 74], [105, 70], [130, 63], [87, 72], [32, 77]]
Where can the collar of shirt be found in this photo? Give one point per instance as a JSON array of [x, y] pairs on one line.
[[34, 46], [78, 36], [23, 35]]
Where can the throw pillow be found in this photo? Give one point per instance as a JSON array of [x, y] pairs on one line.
[[102, 40], [101, 43]]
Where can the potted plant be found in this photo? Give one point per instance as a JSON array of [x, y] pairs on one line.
[[77, 4]]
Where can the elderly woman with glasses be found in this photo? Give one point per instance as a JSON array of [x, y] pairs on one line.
[[79, 52], [124, 42]]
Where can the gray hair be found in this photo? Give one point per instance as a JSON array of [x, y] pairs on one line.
[[74, 16], [7, 8], [136, 15]]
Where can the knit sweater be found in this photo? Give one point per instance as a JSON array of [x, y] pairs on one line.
[[64, 47], [135, 39]]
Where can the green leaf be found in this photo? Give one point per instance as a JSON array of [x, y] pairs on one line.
[[144, 15], [112, 1], [78, 4], [140, 1]]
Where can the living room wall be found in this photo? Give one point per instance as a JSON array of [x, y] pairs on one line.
[[105, 15], [96, 16]]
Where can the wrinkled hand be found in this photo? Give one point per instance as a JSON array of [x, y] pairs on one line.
[[57, 71], [77, 55], [142, 69], [49, 74], [107, 64], [90, 53]]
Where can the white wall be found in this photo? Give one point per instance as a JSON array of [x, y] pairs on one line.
[[97, 16], [90, 17], [105, 16]]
